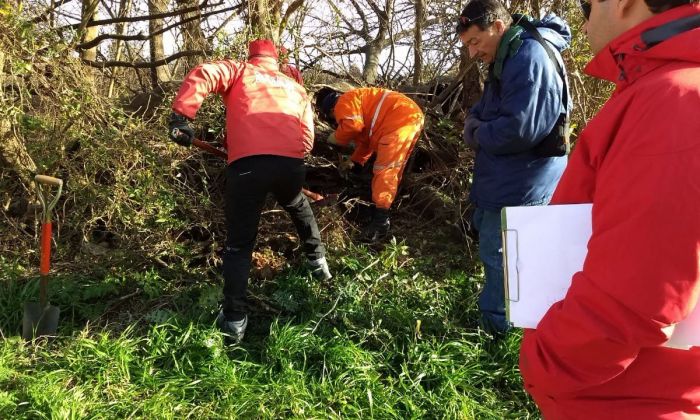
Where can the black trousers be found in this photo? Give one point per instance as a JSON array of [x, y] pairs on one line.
[[248, 181]]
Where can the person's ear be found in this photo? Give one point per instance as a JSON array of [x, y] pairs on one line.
[[623, 7], [499, 26]]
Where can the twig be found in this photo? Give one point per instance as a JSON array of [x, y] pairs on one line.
[[335, 304], [341, 293], [354, 79]]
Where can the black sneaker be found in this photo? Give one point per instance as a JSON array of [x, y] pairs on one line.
[[320, 270], [233, 331]]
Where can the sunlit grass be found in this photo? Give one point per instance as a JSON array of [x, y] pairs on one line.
[[385, 340]]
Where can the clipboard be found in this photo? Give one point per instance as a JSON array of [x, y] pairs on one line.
[[543, 247]]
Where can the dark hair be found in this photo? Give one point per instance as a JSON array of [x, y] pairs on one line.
[[326, 98], [483, 13], [658, 6]]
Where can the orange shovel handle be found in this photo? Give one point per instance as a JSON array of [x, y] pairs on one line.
[[312, 195], [45, 262], [45, 248], [209, 148]]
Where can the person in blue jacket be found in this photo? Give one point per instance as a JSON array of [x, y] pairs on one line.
[[523, 103]]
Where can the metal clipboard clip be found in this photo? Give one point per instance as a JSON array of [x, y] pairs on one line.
[[506, 233]]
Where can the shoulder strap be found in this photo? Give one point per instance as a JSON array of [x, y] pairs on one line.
[[654, 36], [532, 30]]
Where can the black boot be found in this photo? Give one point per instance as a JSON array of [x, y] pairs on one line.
[[378, 227]]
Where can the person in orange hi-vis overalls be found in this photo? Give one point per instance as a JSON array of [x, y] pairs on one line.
[[378, 121]]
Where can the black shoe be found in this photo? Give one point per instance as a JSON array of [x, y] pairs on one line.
[[320, 270], [233, 331], [378, 227]]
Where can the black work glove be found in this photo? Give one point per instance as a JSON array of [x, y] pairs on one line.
[[471, 124], [357, 175], [179, 130], [349, 170], [378, 227], [356, 169]]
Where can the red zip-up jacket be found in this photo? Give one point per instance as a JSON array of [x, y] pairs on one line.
[[293, 72], [267, 113], [598, 354]]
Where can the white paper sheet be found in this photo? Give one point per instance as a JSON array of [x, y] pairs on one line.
[[544, 246]]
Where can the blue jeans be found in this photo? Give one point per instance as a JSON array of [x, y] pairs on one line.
[[492, 298]]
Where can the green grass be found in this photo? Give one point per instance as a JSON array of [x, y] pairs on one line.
[[391, 337]]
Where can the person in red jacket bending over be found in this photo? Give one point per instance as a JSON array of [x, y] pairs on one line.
[[269, 129], [289, 69], [599, 353]]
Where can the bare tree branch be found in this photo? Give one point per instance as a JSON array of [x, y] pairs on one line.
[[296, 4], [142, 37], [382, 14], [438, 100], [225, 21], [203, 5], [363, 17], [348, 25], [144, 64], [354, 79], [44, 16]]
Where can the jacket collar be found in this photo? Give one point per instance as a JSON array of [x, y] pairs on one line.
[[627, 57], [508, 47], [265, 62]]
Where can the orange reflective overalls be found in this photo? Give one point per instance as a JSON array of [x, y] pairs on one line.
[[383, 122]]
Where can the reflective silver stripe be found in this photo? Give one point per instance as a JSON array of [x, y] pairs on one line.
[[396, 164], [376, 112], [353, 117]]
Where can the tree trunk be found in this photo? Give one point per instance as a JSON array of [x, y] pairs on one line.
[[52, 15], [371, 67], [472, 83], [124, 7], [374, 48], [192, 34], [158, 74], [419, 6], [264, 18], [89, 14]]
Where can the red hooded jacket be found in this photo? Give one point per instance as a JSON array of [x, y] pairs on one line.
[[598, 353], [293, 72], [267, 113]]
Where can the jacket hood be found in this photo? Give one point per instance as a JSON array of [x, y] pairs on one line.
[[554, 29], [262, 47], [628, 57], [267, 63]]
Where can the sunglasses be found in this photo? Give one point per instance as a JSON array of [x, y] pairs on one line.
[[585, 8], [465, 21]]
